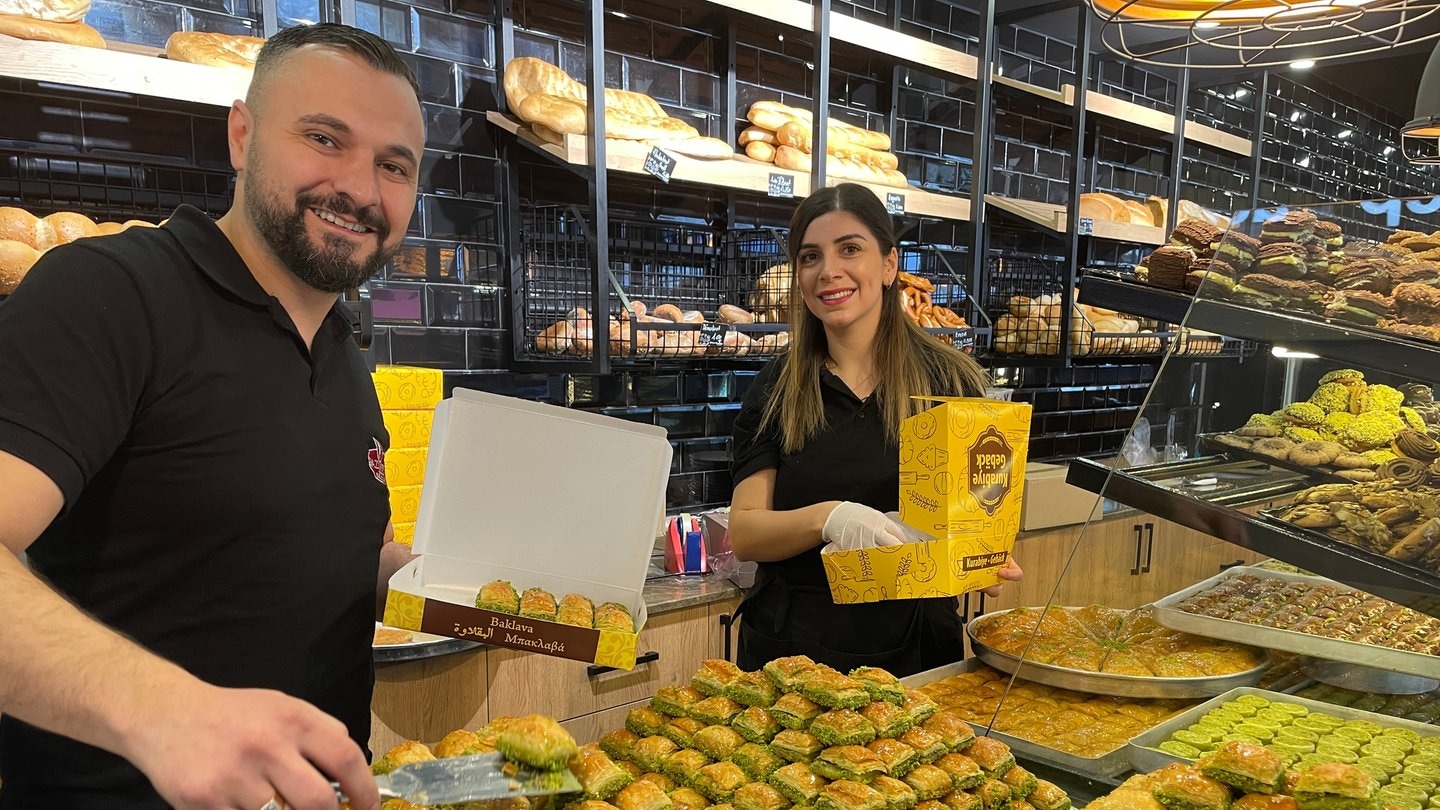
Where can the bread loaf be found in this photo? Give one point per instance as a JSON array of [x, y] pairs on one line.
[[1158, 207], [526, 74], [772, 115], [729, 313], [669, 312], [1139, 214], [761, 151], [69, 33], [108, 228], [216, 50], [70, 226], [66, 11], [555, 113], [556, 338], [1097, 205], [23, 226], [631, 127], [16, 259], [753, 133], [788, 157], [799, 136]]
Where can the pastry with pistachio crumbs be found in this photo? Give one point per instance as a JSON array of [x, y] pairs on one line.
[[714, 676], [684, 798], [682, 730], [1247, 768], [853, 762], [880, 684], [684, 764], [796, 745], [758, 761], [994, 794], [406, 753], [928, 782], [717, 742], [1182, 787], [752, 689], [795, 711], [1048, 796], [759, 796], [575, 610], [459, 743], [952, 729], [538, 741], [919, 705], [642, 794], [1022, 783], [631, 768], [842, 727], [617, 743], [1335, 786], [614, 617], [833, 690], [661, 781], [756, 725], [888, 719], [718, 782], [993, 757], [498, 596], [798, 783], [645, 722], [898, 795], [715, 711], [675, 700], [538, 604], [960, 800], [844, 794], [898, 757], [599, 776], [786, 672], [1345, 376], [963, 770], [928, 745], [651, 752]]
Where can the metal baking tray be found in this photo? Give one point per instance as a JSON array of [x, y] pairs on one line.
[[1296, 688], [1320, 537], [1146, 757], [1275, 638], [1111, 763], [1321, 474], [1101, 683]]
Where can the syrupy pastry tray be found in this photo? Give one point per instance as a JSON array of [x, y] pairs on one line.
[[1167, 613], [1102, 683], [1111, 763]]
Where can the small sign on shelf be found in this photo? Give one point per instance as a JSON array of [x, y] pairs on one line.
[[894, 203], [781, 185], [659, 163], [712, 334], [1086, 226]]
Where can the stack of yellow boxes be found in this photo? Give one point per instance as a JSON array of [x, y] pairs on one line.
[[408, 397]]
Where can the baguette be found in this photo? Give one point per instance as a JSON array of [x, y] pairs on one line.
[[761, 151], [777, 114], [799, 136], [753, 133]]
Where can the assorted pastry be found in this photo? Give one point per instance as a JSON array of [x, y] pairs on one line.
[[25, 236], [1318, 609], [1151, 212], [1077, 723], [1423, 707], [665, 331], [1398, 518], [573, 609], [1110, 641], [1350, 429], [781, 135], [1032, 326]]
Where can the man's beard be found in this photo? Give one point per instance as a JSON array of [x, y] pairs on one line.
[[326, 266]]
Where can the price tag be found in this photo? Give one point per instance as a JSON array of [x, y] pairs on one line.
[[894, 203], [1087, 226], [659, 163], [712, 334], [781, 185]]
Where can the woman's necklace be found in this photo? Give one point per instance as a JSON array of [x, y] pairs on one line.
[[860, 387]]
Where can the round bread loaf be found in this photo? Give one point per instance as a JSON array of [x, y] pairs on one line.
[[16, 259], [108, 228], [669, 312], [65, 11], [729, 313], [218, 50], [23, 226], [70, 226], [761, 151], [69, 33], [754, 133]]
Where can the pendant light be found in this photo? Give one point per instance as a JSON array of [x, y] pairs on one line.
[[1260, 33], [1420, 139]]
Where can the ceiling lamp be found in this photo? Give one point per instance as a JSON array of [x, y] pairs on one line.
[[1260, 33], [1420, 139]]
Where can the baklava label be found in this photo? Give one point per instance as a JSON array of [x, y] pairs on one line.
[[991, 459]]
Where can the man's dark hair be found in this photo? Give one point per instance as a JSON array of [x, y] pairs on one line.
[[372, 50]]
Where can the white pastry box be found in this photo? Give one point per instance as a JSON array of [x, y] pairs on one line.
[[541, 496]]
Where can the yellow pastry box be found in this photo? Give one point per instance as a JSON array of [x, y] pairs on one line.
[[962, 481], [408, 387]]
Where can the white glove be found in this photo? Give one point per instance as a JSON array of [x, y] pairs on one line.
[[912, 535], [852, 526]]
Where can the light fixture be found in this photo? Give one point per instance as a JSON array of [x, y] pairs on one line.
[[1345, 133], [1420, 139], [1287, 354], [1260, 33], [1302, 64]]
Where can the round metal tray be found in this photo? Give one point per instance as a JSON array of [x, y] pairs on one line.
[[1101, 683]]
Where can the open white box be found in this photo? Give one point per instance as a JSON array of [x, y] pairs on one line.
[[542, 496]]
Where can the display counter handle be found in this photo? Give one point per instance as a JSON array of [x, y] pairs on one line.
[[1149, 547], [1139, 548], [596, 670]]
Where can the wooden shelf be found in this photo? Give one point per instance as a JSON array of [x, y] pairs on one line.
[[1149, 118], [122, 70], [738, 172], [1053, 218]]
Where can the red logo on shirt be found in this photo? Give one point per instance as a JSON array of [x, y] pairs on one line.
[[377, 461]]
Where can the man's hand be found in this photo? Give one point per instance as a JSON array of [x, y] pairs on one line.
[[236, 749], [1010, 572], [852, 526]]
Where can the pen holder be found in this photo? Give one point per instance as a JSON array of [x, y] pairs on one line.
[[685, 546]]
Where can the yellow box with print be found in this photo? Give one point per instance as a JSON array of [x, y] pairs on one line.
[[409, 427], [962, 481], [408, 387], [405, 466]]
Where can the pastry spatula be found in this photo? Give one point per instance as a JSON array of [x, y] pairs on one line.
[[471, 778]]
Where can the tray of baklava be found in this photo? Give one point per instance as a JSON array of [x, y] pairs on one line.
[[1110, 651], [1308, 615], [1078, 731], [1303, 732]]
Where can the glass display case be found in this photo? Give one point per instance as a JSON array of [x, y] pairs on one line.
[[1299, 548]]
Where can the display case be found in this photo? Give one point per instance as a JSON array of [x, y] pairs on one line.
[[1317, 454]]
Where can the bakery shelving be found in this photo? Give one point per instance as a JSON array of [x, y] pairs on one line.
[[1144, 488], [1053, 218], [1124, 295], [738, 172], [122, 71]]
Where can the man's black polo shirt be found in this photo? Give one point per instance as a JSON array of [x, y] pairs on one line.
[[223, 505]]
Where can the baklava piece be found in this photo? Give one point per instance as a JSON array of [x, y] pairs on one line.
[[853, 762], [1244, 766], [796, 746], [614, 617], [599, 776], [576, 610], [786, 672], [994, 794], [1022, 783], [498, 596], [460, 742], [993, 757], [842, 727], [538, 741], [661, 781], [930, 805], [717, 742], [757, 761], [952, 729], [847, 795], [929, 782], [795, 711], [631, 768], [962, 769], [688, 799], [880, 684], [1126, 799], [715, 711], [759, 796], [919, 705], [752, 689], [798, 783], [888, 719], [642, 794], [538, 604], [961, 800], [927, 744], [651, 752], [617, 743], [684, 764], [756, 725], [833, 690], [675, 700], [719, 781], [1182, 787], [714, 676], [1335, 786], [1048, 796], [406, 753], [645, 722], [898, 795], [682, 730], [898, 757], [1265, 801]]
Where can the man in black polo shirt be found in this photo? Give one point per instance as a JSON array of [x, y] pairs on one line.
[[190, 453]]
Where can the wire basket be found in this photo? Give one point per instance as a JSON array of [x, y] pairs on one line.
[[109, 190]]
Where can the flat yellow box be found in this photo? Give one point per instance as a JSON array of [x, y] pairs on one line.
[[405, 534], [409, 427], [405, 466], [408, 388], [962, 481], [404, 503]]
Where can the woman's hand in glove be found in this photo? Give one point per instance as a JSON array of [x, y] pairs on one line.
[[852, 526]]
